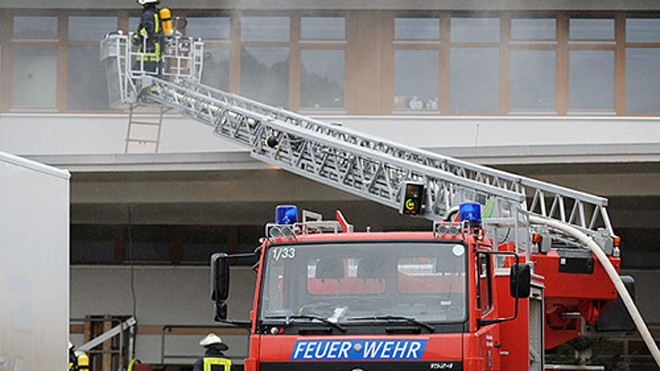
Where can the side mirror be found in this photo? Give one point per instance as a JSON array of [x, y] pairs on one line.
[[521, 278], [220, 283], [220, 311]]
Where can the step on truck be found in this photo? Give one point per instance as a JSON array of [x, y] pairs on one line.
[[509, 267]]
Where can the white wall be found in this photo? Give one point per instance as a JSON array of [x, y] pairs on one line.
[[34, 265], [516, 138]]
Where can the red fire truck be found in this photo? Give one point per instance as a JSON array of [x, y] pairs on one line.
[[452, 298], [511, 266]]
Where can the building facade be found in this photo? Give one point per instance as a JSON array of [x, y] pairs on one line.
[[565, 92]]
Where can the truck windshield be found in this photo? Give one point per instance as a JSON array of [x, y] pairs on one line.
[[357, 282]]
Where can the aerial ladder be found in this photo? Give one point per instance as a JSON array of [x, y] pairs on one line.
[[376, 169]]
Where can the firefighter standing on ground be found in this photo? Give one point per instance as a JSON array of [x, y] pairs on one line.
[[213, 359], [147, 36]]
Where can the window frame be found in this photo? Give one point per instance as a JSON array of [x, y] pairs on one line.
[[240, 44], [58, 44], [439, 45], [532, 45], [500, 45], [622, 47], [368, 72], [229, 44], [67, 43], [299, 44], [173, 235], [613, 45]]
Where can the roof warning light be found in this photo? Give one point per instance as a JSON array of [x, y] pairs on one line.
[[286, 214], [471, 212]]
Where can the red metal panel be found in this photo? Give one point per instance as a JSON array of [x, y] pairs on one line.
[[596, 286]]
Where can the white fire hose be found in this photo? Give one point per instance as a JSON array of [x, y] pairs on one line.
[[614, 276]]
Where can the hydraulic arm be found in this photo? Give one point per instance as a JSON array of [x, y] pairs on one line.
[[370, 167]]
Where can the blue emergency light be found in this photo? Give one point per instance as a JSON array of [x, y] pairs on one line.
[[286, 214], [471, 212]]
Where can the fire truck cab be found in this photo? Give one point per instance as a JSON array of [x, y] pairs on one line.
[[383, 301]]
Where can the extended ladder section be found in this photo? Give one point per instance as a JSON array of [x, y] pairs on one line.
[[367, 166]]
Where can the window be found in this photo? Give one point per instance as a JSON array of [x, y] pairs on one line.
[[416, 79], [638, 250], [591, 80], [643, 30], [322, 55], [591, 29], [533, 29], [93, 244], [35, 27], [591, 65], [199, 243], [474, 80], [265, 29], [533, 80], [428, 274], [474, 67], [216, 68], [325, 276], [533, 48], [323, 28], [421, 280], [208, 27], [216, 33], [248, 238], [435, 62], [415, 28], [265, 74], [86, 81], [147, 244], [321, 78], [133, 23], [265, 57], [642, 80], [416, 63], [161, 244], [484, 30], [642, 69], [34, 80], [88, 28]]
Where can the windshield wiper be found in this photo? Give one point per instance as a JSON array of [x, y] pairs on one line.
[[394, 318], [310, 317]]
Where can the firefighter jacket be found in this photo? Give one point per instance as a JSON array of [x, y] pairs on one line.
[[148, 34], [213, 360]]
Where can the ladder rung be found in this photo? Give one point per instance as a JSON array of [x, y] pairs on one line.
[[144, 123], [134, 140]]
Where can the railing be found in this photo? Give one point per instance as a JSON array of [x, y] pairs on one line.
[[127, 65], [109, 340], [198, 330], [618, 351]]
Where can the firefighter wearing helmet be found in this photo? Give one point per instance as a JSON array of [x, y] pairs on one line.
[[147, 37], [78, 360], [213, 359]]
